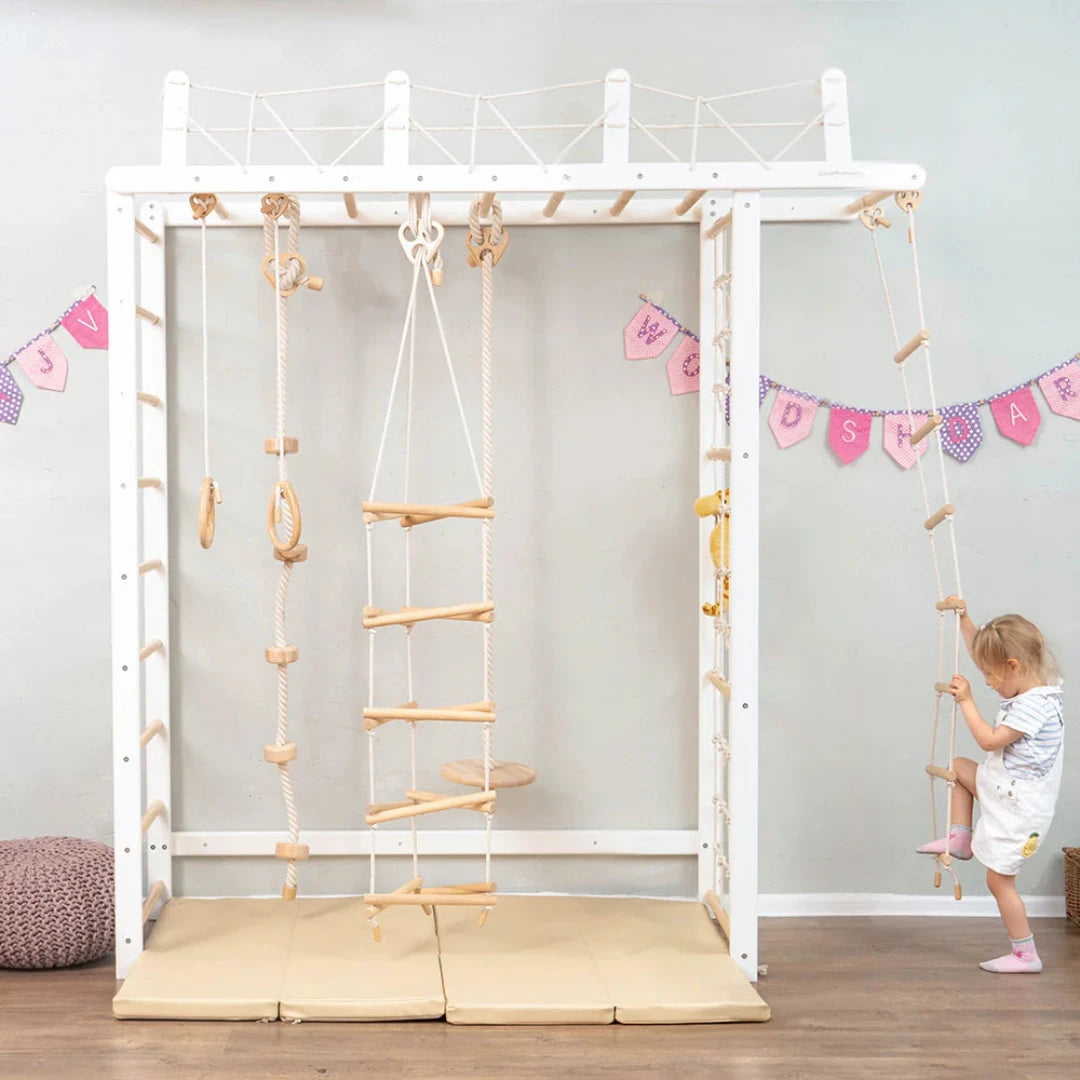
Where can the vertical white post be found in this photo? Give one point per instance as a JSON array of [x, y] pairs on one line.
[[124, 570], [745, 371], [837, 129], [175, 100], [155, 536], [617, 117], [396, 124]]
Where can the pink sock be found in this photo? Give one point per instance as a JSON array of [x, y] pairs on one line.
[[1024, 959], [959, 843]]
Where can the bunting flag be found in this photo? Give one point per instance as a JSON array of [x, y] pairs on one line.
[[792, 417], [1017, 415], [1061, 388], [649, 333], [10, 397], [44, 362], [849, 433], [88, 323], [897, 438], [961, 430], [684, 366]]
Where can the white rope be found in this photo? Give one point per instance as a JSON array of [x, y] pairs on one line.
[[548, 89], [602, 118], [288, 131], [475, 128], [642, 128], [709, 105], [205, 355], [513, 131], [764, 90], [800, 135], [250, 130], [417, 126], [210, 139], [359, 139], [694, 133]]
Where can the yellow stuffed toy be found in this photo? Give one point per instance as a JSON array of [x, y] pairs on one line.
[[718, 506]]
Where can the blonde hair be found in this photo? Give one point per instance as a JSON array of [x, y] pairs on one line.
[[1012, 637]]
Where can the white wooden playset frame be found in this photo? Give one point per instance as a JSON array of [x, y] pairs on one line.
[[728, 203]]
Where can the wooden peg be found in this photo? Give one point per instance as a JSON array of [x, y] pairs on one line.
[[689, 200], [157, 891], [553, 203], [485, 203], [952, 604], [153, 812], [712, 901], [146, 232], [620, 204], [483, 917], [718, 453], [958, 893], [472, 887], [151, 564], [283, 491], [350, 205], [209, 497], [940, 773], [292, 445], [418, 512], [292, 555], [155, 727], [932, 424], [918, 340], [287, 654], [151, 647], [937, 879], [380, 716], [149, 316], [718, 226], [280, 753], [286, 850], [865, 201], [148, 399], [934, 520], [149, 482]]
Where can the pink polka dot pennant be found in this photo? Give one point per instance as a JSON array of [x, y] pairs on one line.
[[684, 366], [1017, 415], [44, 362], [792, 417], [649, 333], [1061, 388], [897, 438], [11, 397]]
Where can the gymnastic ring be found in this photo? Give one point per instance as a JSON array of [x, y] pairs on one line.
[[208, 496], [283, 490]]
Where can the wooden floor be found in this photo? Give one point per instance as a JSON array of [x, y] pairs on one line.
[[851, 998]]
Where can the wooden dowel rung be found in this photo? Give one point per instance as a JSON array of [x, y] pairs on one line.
[[864, 201], [146, 232], [477, 716], [153, 812], [424, 898], [718, 453], [690, 199], [151, 564], [149, 316], [151, 647], [553, 203], [485, 203], [941, 687], [719, 682], [379, 807], [932, 424], [453, 802], [718, 226], [934, 520], [918, 340], [219, 209], [431, 796], [420, 519], [148, 399], [941, 774], [150, 482], [462, 890], [620, 204], [411, 886], [350, 204], [155, 727], [157, 891], [415, 615], [953, 604], [427, 510], [722, 918]]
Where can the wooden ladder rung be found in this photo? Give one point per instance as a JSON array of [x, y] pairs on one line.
[[155, 727], [955, 604], [435, 806], [460, 890], [151, 647], [941, 774], [483, 611], [151, 564], [719, 682], [157, 891], [426, 899], [718, 453], [932, 424], [153, 812], [419, 513], [718, 226], [150, 482], [690, 199], [921, 338], [722, 919], [148, 399], [146, 232], [866, 201], [481, 712], [934, 520], [149, 316]]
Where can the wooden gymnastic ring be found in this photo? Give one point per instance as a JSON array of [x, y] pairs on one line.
[[209, 496], [283, 489]]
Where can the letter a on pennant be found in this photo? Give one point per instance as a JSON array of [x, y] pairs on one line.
[[648, 333], [684, 367], [897, 438], [1061, 389], [791, 418], [44, 362], [88, 323], [849, 433], [1017, 415]]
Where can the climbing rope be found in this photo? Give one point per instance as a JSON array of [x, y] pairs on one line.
[[873, 218]]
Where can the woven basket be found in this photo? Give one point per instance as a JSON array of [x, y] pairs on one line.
[[1072, 884]]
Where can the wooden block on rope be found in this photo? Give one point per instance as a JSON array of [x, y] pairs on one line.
[[293, 554], [483, 611], [286, 654], [280, 753], [292, 445], [435, 806], [286, 850]]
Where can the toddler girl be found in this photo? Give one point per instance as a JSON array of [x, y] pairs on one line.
[[1017, 785]]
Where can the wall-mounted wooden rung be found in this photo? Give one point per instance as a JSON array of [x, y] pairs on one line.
[[722, 918], [719, 682], [434, 806], [153, 812], [919, 339], [690, 199], [292, 445], [484, 611], [150, 482], [718, 453], [148, 399], [718, 226], [553, 203], [433, 899], [149, 316], [865, 201], [151, 564], [374, 717], [350, 204], [952, 604], [932, 424], [157, 891], [154, 728], [147, 233], [621, 203], [151, 647], [419, 513], [940, 773], [934, 520]]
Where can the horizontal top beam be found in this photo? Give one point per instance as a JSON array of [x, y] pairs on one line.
[[853, 176]]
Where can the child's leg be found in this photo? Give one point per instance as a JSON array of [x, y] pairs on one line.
[[963, 802], [1024, 957]]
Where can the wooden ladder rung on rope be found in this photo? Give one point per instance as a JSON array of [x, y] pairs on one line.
[[941, 774], [934, 520], [419, 513], [478, 712], [955, 604], [478, 612], [478, 800], [426, 899], [932, 424], [921, 338], [719, 682]]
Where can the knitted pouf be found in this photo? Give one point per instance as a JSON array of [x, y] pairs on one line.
[[56, 902]]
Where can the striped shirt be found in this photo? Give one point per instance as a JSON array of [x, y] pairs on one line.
[[1037, 714]]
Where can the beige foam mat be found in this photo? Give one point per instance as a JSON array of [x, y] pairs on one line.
[[528, 965], [211, 960], [337, 971]]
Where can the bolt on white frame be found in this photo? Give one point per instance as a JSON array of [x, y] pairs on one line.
[[156, 197]]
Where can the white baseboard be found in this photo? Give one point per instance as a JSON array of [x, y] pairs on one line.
[[804, 905]]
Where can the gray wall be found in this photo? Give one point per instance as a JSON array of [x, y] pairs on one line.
[[595, 569]]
